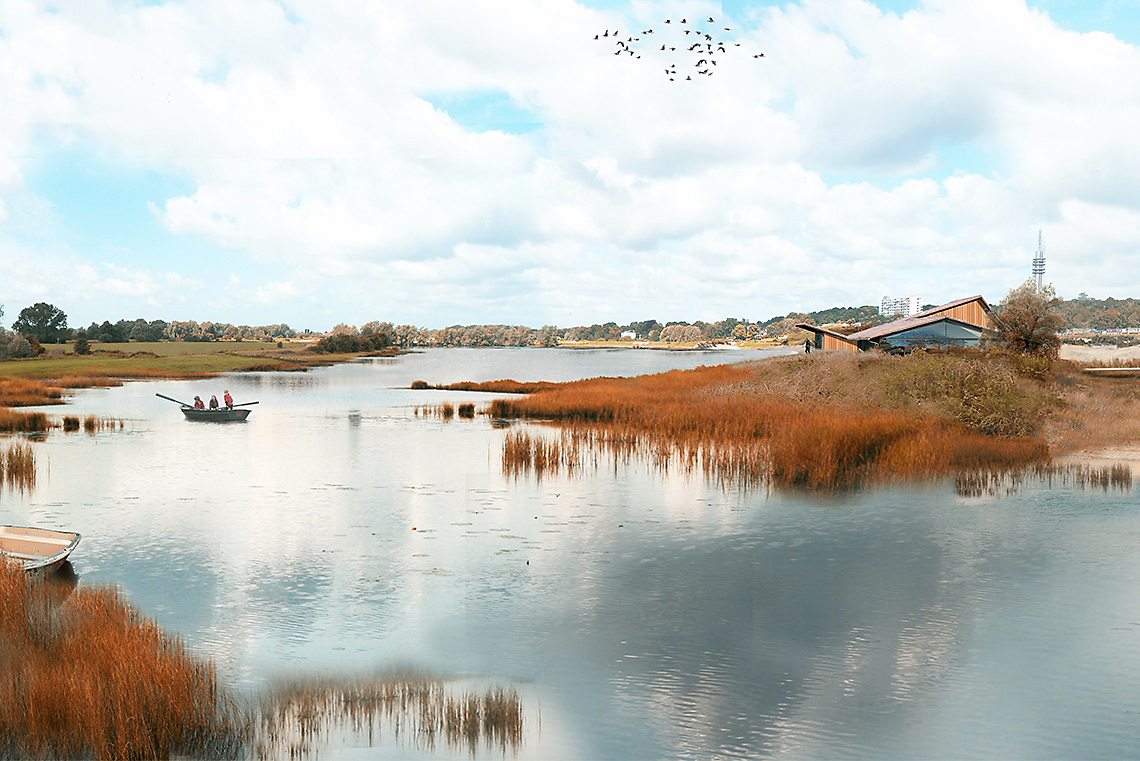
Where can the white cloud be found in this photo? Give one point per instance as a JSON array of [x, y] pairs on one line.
[[824, 171]]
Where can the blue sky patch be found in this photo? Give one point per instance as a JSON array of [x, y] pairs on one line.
[[485, 112]]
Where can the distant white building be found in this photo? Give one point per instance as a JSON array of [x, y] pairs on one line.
[[907, 306]]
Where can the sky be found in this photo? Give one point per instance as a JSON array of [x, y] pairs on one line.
[[446, 162]]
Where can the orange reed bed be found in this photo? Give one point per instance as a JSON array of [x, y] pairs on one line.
[[22, 392], [86, 676], [712, 420], [13, 421], [497, 386]]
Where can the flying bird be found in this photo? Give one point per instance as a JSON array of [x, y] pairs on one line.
[[709, 49]]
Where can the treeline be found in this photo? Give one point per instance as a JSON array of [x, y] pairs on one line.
[[1084, 313], [376, 336], [160, 330]]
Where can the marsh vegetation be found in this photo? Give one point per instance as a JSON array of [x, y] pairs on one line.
[[823, 422], [83, 674], [294, 720]]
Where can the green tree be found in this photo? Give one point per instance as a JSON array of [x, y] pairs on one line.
[[43, 322], [1028, 321], [82, 346]]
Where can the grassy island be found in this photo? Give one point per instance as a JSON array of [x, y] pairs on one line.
[[47, 379], [830, 421]]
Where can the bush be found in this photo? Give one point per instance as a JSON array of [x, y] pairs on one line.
[[348, 343], [82, 346], [1028, 321], [20, 348]]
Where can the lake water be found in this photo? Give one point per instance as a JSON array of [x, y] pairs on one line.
[[638, 614]]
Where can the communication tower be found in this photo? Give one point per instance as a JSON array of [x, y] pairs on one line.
[[1039, 260]]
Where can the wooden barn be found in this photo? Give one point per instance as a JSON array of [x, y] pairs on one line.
[[957, 323]]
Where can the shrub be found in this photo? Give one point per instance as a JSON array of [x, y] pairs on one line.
[[1028, 321]]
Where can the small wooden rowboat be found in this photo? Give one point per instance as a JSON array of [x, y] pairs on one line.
[[220, 415], [216, 416], [37, 549]]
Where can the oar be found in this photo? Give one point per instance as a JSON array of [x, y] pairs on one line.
[[245, 404], [167, 398]]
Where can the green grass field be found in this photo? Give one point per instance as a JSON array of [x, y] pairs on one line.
[[166, 359]]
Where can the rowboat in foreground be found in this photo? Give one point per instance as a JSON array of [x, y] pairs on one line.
[[220, 415], [37, 549]]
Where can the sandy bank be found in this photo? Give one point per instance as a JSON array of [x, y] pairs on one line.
[[1098, 353]]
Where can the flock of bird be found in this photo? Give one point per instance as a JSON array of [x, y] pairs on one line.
[[697, 43]]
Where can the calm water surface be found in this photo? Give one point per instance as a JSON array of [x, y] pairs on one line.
[[639, 615]]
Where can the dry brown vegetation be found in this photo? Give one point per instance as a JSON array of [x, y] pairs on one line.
[[989, 482], [84, 675], [295, 719], [1099, 412], [497, 386], [18, 466], [21, 392], [822, 422], [14, 421]]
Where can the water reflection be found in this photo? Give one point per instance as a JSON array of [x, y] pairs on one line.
[[649, 614]]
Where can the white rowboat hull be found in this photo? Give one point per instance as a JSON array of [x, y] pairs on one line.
[[37, 549]]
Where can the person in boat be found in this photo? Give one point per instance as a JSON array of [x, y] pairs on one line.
[[229, 400], [198, 403], [213, 401]]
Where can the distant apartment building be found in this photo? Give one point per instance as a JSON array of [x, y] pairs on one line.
[[907, 306]]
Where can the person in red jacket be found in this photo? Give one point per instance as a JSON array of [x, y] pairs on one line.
[[198, 403], [229, 400]]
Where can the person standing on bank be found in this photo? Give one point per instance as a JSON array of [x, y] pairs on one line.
[[807, 346]]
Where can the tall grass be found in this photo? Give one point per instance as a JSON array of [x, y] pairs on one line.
[[90, 677], [293, 720], [13, 421], [990, 482], [22, 392], [715, 419], [18, 467]]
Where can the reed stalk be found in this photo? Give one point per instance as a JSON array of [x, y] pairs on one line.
[[18, 467], [293, 720]]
